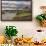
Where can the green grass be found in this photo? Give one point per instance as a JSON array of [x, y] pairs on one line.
[[23, 13]]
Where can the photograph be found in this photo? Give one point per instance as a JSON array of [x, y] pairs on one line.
[[16, 0], [16, 10]]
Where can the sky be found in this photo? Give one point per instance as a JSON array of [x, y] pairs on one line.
[[15, 4], [16, 0]]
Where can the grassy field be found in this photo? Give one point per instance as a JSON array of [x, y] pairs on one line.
[[23, 16]]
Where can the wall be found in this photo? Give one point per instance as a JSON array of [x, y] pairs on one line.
[[27, 28]]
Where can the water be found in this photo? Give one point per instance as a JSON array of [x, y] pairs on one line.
[[8, 16]]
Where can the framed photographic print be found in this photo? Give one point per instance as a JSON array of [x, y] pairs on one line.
[[16, 10]]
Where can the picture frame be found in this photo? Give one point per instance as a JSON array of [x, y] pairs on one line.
[[16, 10]]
